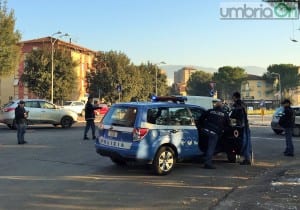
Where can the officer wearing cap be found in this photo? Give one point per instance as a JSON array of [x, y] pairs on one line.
[[212, 124], [287, 121], [21, 122]]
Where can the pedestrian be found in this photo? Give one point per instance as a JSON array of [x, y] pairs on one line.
[[239, 113], [21, 122], [89, 118], [262, 105], [212, 124], [287, 121]]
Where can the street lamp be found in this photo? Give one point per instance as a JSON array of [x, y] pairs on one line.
[[156, 68], [279, 81], [53, 40]]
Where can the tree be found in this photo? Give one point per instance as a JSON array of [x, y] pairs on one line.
[[228, 79], [37, 73], [198, 84], [115, 68], [289, 76], [9, 39]]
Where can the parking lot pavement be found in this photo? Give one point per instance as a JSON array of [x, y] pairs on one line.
[[278, 188]]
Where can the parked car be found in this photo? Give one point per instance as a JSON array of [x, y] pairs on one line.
[[40, 112], [103, 110], [76, 106], [275, 119], [156, 133]]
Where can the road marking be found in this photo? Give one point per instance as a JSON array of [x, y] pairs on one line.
[[271, 139]]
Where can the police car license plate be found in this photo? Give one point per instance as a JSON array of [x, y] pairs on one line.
[[112, 133]]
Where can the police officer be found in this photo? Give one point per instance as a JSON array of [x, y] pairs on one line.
[[89, 118], [213, 123], [287, 121], [239, 113], [20, 117]]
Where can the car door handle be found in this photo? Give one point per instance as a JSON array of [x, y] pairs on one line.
[[174, 131]]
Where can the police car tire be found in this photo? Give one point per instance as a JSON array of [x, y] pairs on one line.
[[118, 162], [164, 161], [232, 157]]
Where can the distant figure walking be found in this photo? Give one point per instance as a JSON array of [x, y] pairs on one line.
[[21, 122], [287, 121]]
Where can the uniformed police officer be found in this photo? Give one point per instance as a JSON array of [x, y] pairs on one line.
[[213, 123]]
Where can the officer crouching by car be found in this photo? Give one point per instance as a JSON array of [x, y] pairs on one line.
[[212, 124]]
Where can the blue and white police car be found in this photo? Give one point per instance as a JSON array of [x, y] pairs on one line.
[[159, 133]]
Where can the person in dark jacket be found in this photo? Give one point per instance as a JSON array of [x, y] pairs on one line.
[[213, 123], [89, 118], [20, 119], [239, 113], [287, 121]]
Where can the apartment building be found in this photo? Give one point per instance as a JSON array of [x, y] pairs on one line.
[[12, 88], [181, 77], [256, 89]]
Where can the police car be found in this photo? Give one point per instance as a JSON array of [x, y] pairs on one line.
[[160, 133]]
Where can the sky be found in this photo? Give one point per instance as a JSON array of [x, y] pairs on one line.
[[177, 32]]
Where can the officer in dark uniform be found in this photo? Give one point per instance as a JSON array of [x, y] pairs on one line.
[[20, 117], [213, 123], [239, 114], [287, 121], [89, 118]]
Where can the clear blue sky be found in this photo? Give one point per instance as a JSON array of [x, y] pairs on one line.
[[179, 32]]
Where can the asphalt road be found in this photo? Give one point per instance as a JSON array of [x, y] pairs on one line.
[[57, 170]]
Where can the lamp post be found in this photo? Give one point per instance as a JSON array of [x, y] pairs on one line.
[[156, 68], [279, 81], [53, 40]]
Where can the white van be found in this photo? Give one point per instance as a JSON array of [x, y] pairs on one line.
[[204, 101]]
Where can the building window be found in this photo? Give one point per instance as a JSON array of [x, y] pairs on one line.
[[259, 94], [259, 84]]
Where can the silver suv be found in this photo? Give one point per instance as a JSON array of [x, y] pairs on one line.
[[76, 106], [40, 112]]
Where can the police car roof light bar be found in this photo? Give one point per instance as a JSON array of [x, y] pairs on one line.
[[174, 99]]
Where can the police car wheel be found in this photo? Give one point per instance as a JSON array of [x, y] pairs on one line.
[[118, 161], [164, 161], [232, 157]]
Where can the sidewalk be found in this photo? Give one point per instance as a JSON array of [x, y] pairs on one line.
[[257, 120], [277, 188]]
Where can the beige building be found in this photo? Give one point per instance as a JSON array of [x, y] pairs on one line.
[[181, 77], [12, 88], [256, 88], [255, 91]]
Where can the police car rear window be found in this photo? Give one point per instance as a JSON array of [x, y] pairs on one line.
[[121, 116]]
